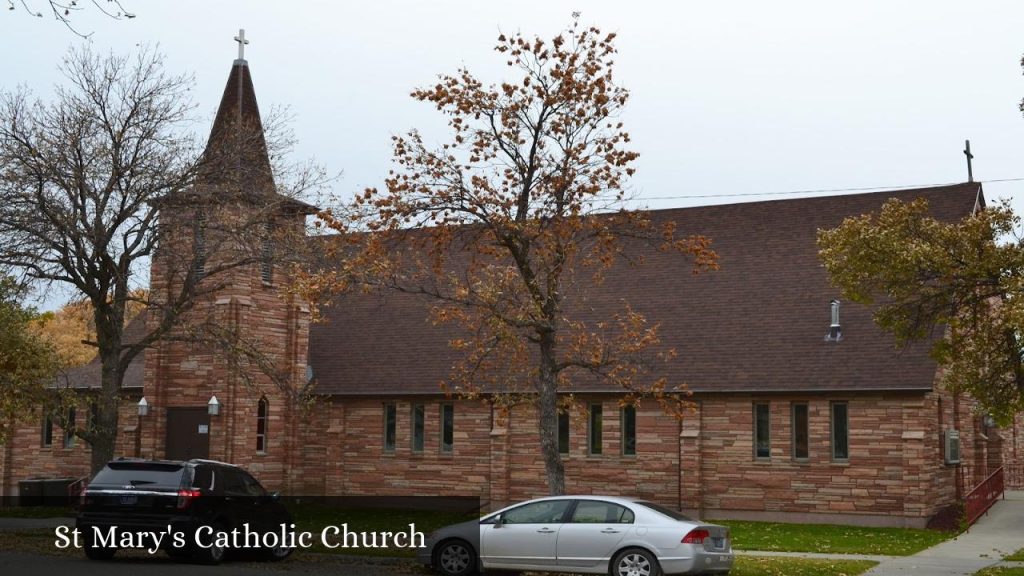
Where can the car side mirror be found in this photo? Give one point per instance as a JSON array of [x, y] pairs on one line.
[[499, 521]]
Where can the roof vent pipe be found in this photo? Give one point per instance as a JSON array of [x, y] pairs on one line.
[[835, 333]]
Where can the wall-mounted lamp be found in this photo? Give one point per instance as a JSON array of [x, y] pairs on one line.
[[143, 407], [989, 421], [213, 406]]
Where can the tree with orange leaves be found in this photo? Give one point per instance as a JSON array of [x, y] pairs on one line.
[[71, 329], [509, 224]]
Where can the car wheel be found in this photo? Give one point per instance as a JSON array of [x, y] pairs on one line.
[[277, 553], [635, 562], [455, 558], [98, 552], [214, 554]]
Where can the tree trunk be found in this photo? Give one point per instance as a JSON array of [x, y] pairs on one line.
[[548, 412], [104, 432], [109, 320]]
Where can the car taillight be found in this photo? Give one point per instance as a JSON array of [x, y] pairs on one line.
[[185, 498], [696, 536]]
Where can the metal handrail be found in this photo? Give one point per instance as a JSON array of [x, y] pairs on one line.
[[75, 489], [983, 496]]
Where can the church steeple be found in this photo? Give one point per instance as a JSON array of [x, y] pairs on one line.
[[236, 159]]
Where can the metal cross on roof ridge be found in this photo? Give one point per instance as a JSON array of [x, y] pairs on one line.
[[970, 167], [241, 43]]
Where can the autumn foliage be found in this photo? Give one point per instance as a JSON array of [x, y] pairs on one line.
[[27, 361], [958, 284], [507, 225], [71, 330]]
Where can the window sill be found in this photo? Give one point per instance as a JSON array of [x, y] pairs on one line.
[[840, 463], [762, 461]]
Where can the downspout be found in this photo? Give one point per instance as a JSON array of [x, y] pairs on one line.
[[956, 426], [700, 462], [7, 487], [679, 467]]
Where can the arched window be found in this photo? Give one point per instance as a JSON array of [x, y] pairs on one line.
[[262, 409]]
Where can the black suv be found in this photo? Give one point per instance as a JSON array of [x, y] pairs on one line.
[[132, 498]]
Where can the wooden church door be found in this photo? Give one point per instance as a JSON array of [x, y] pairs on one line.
[[188, 433]]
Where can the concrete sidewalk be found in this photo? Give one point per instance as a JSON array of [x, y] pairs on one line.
[[999, 533], [814, 555]]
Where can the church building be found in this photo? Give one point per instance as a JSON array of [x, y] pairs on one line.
[[804, 410]]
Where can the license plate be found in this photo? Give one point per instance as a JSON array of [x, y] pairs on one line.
[[128, 500]]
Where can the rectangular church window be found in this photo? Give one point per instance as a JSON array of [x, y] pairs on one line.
[[390, 418], [762, 431], [47, 435], [69, 428], [418, 413], [595, 429], [447, 427], [801, 432], [262, 412], [840, 431], [629, 431], [563, 432]]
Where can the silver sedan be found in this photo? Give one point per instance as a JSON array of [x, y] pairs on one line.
[[581, 534]]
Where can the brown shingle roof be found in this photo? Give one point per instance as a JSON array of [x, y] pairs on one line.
[[758, 324]]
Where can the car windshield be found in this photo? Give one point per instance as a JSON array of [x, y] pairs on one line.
[[135, 474], [666, 511]]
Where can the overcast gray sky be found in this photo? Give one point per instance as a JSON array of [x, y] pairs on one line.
[[728, 98]]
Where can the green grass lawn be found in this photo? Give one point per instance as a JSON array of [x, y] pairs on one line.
[[1001, 572], [771, 536], [767, 566], [36, 512], [1016, 556], [39, 541], [770, 566]]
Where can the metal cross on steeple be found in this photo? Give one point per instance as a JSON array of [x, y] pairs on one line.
[[241, 43], [967, 152]]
